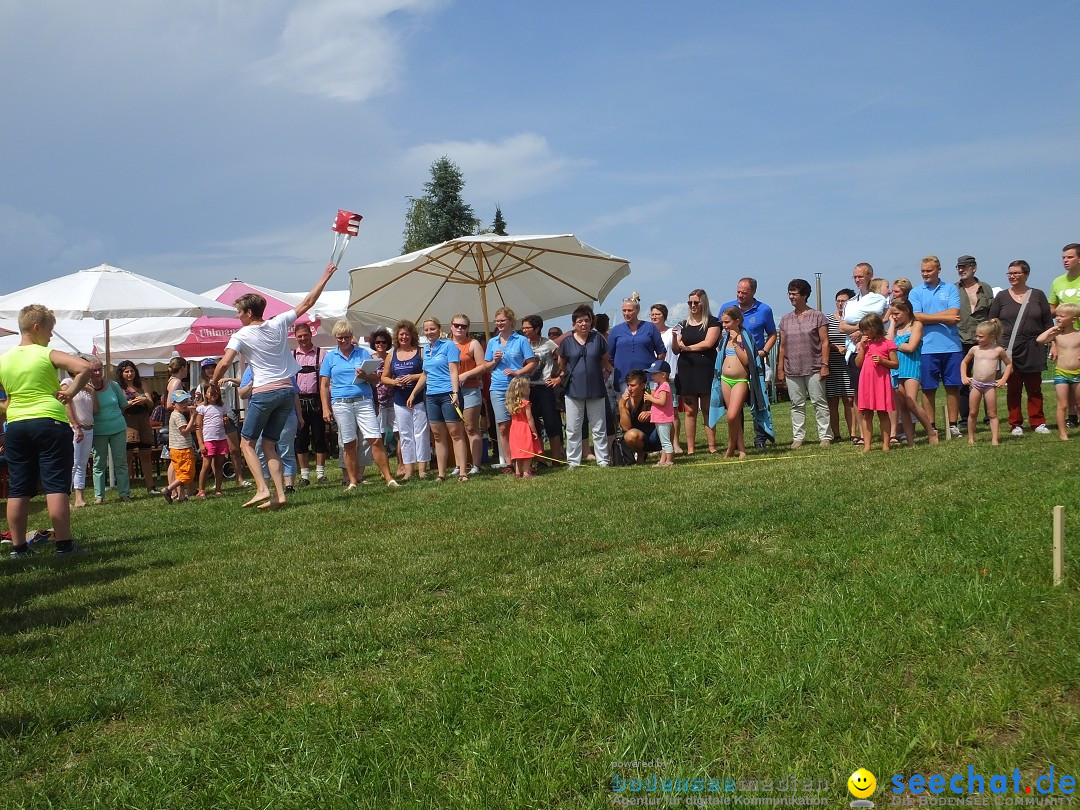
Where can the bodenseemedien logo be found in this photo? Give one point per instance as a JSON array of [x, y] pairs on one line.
[[861, 785]]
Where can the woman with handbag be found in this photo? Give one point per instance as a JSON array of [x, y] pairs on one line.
[[1024, 313], [140, 436], [584, 366]]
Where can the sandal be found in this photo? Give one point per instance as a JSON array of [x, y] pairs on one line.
[[857, 441], [462, 479], [439, 479]]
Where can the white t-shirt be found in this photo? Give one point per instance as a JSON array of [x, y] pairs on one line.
[[82, 404], [672, 359], [213, 422], [266, 348]]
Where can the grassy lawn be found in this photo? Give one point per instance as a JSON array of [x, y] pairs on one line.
[[510, 643]]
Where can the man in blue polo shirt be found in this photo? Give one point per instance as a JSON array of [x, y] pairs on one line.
[[937, 307], [758, 321]]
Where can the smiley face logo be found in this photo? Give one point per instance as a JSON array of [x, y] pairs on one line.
[[861, 783]]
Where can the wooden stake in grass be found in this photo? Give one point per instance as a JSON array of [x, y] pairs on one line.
[[1059, 545]]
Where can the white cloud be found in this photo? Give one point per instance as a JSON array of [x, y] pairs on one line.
[[340, 49], [516, 167]]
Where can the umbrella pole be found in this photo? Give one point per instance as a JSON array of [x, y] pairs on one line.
[[483, 306], [108, 348]]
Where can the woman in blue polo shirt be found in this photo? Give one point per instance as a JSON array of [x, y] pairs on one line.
[[439, 382], [507, 355], [347, 396]]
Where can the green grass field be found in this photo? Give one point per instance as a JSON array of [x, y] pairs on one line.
[[509, 643]]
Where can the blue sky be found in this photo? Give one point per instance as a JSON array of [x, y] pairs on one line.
[[199, 141]]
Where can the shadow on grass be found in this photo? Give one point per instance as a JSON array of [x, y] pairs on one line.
[[58, 575]]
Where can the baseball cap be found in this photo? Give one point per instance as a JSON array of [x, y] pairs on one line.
[[659, 365], [179, 396], [208, 361], [965, 260]]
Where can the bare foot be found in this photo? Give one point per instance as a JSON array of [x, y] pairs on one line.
[[271, 506], [258, 498], [727, 453], [866, 448], [742, 455], [934, 437], [1064, 437], [971, 441]]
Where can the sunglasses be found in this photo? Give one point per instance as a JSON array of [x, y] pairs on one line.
[[460, 325], [693, 303]]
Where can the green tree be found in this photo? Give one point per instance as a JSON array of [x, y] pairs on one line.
[[441, 213], [498, 226]]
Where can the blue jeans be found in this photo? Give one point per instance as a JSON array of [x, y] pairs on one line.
[[285, 447], [267, 413]]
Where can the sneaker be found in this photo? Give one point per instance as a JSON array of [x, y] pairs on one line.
[[322, 479], [74, 548], [1017, 431], [474, 470], [304, 482], [21, 552], [1042, 429], [454, 472], [290, 489], [759, 444], [1072, 421], [954, 431]]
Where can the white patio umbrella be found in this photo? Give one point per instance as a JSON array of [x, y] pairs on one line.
[[107, 292], [475, 275]]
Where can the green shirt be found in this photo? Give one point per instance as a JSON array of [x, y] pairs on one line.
[[1064, 290], [31, 383]]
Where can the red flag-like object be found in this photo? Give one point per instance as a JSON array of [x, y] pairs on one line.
[[345, 227]]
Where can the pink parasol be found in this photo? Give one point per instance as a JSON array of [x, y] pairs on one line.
[[210, 335]]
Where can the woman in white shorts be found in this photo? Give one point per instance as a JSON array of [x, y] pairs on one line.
[[347, 396]]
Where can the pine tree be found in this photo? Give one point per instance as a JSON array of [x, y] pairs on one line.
[[442, 213], [498, 226]]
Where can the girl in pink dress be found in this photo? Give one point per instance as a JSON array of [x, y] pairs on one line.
[[525, 443], [876, 358]]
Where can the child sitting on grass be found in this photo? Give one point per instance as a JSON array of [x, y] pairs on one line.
[[984, 358], [1066, 339], [181, 423]]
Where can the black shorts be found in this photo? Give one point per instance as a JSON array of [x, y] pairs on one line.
[[546, 411], [39, 449], [313, 433]]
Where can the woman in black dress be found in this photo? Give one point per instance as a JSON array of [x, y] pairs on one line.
[[695, 342]]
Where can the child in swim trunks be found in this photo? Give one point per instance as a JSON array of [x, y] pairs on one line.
[[984, 359], [1066, 339], [735, 378]]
